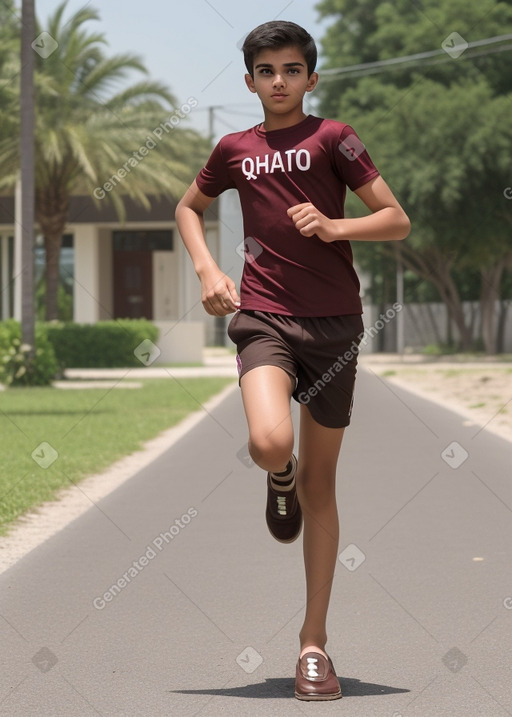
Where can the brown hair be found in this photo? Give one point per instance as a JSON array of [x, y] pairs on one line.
[[275, 35]]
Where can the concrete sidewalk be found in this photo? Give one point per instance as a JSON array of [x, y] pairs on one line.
[[170, 597], [217, 362]]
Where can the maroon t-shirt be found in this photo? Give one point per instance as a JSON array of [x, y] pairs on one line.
[[313, 161]]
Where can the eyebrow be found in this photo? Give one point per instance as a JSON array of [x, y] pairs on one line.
[[285, 64]]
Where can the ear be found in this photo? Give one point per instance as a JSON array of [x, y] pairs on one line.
[[249, 81], [312, 82]]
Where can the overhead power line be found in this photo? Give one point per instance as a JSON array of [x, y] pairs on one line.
[[430, 57]]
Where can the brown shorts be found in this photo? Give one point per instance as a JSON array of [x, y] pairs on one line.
[[320, 354]]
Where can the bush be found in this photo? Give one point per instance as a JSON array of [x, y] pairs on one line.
[[106, 344], [20, 364], [9, 330], [439, 349]]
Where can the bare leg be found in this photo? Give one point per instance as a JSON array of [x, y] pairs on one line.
[[266, 393], [316, 487]]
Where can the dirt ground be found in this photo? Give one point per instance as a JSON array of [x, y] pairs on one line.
[[480, 391]]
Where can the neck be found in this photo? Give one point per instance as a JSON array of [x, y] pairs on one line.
[[274, 121]]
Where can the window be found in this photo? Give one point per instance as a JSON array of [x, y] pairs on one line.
[[66, 277], [150, 240]]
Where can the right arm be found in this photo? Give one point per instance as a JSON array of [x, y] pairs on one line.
[[218, 291]]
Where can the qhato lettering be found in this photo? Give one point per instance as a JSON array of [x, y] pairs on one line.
[[300, 159]]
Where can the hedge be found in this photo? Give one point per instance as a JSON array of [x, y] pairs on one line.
[[106, 344], [61, 345]]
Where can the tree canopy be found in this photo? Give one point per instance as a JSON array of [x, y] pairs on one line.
[[437, 128]]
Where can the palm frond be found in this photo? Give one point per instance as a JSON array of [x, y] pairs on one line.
[[142, 92], [92, 127], [103, 75]]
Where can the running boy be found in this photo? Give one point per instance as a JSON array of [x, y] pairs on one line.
[[298, 316]]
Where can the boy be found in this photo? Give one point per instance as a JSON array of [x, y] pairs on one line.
[[298, 317]]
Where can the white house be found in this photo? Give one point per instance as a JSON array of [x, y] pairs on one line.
[[137, 269]]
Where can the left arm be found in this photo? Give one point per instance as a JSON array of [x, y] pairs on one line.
[[387, 222]]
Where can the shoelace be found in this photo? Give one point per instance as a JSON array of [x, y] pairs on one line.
[[312, 667], [281, 504]]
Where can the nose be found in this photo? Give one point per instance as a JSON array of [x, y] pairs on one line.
[[278, 81]]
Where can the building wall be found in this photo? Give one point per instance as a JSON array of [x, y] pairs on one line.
[[166, 279], [86, 292], [105, 303], [190, 306]]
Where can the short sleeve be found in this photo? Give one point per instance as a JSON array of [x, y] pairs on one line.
[[214, 178], [351, 160]]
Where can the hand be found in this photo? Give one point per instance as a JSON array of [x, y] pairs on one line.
[[218, 294], [309, 221]]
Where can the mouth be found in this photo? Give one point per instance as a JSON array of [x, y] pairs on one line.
[[279, 96]]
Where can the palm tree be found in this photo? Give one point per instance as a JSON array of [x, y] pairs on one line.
[[84, 134], [9, 72], [27, 172]]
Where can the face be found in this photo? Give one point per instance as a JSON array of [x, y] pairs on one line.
[[281, 79]]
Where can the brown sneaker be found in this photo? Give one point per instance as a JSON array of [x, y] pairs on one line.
[[315, 678], [283, 513]]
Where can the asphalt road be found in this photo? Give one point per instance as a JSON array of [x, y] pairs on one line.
[[170, 597]]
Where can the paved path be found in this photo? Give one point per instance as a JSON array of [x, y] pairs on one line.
[[205, 619]]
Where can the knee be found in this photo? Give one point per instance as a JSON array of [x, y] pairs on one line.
[[269, 452]]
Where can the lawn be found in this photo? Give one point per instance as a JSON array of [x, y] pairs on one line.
[[86, 430]]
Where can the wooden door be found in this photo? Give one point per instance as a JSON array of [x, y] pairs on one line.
[[133, 285]]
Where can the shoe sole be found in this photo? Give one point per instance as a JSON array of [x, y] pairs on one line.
[[318, 698], [286, 542]]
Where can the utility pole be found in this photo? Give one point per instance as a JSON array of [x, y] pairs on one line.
[[211, 121], [27, 172], [400, 300], [219, 322]]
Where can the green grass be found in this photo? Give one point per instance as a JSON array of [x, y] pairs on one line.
[[180, 365], [89, 428]]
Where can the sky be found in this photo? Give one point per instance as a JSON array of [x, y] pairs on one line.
[[193, 46]]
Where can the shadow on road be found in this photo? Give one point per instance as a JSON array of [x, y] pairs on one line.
[[284, 687]]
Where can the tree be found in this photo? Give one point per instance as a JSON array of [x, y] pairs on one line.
[[27, 174], [85, 134], [439, 132], [10, 71]]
